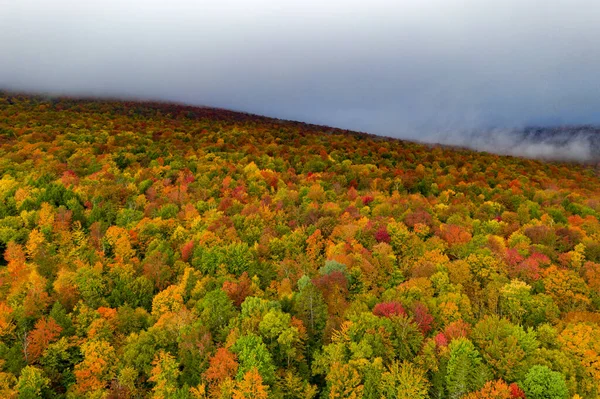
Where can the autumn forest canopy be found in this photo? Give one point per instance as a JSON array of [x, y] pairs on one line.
[[159, 250]]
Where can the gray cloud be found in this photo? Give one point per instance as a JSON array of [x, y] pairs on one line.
[[565, 144], [404, 68]]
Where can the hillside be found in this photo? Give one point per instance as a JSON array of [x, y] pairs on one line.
[[161, 250]]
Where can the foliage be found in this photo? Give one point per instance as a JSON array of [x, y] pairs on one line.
[[158, 249], [543, 383]]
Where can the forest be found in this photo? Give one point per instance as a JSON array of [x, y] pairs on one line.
[[156, 250]]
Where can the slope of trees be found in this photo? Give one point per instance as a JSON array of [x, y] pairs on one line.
[[157, 250]]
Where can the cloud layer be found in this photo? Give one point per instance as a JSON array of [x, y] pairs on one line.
[[409, 68]]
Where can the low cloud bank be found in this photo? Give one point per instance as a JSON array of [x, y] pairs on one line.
[[577, 143]]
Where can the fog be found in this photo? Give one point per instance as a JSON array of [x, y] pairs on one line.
[[564, 144], [459, 72]]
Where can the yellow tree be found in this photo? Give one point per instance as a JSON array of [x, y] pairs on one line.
[[314, 248], [120, 240], [404, 381], [567, 289], [344, 382], [164, 375], [97, 368], [251, 386], [582, 340], [7, 325]]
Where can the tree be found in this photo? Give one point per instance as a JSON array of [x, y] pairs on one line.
[[97, 368], [404, 381], [253, 354], [223, 364], [496, 389], [504, 346], [344, 382], [168, 300], [454, 235], [251, 386], [91, 284], [31, 383], [139, 350], [215, 310], [45, 332], [293, 386], [465, 371], [567, 289], [59, 314], [157, 270], [389, 309], [7, 326], [65, 288], [284, 339], [310, 308], [423, 318], [36, 299], [58, 361], [406, 337], [543, 383], [515, 300], [164, 375], [237, 291], [334, 288], [120, 241], [187, 250], [314, 246], [582, 341]]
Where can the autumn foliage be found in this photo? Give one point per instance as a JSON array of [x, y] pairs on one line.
[[160, 250]]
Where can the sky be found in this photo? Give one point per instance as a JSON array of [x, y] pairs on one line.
[[418, 69]]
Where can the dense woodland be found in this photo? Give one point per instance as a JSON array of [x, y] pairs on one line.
[[158, 250]]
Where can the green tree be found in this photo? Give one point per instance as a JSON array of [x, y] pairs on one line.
[[465, 370], [253, 353], [58, 361], [31, 383], [504, 346], [281, 336], [215, 310], [310, 307], [515, 298], [91, 285], [543, 383]]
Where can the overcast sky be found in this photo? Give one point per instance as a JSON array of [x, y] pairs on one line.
[[405, 68]]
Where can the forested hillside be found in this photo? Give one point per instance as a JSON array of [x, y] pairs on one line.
[[156, 250]]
